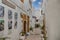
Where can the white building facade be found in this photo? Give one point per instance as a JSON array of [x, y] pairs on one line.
[[12, 23]]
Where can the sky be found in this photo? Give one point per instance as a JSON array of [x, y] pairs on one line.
[[36, 4]]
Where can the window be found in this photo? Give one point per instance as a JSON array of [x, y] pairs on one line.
[[22, 1]]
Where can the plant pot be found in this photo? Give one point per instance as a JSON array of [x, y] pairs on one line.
[[22, 37], [28, 33]]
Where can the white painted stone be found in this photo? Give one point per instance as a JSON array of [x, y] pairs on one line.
[[52, 12]]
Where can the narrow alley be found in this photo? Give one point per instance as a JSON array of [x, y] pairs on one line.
[[29, 19], [35, 35]]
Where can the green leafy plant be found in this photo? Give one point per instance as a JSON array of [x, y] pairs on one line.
[[22, 33], [37, 25], [31, 28]]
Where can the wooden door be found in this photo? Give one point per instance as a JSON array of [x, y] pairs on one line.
[[24, 27]]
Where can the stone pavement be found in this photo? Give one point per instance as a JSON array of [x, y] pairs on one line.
[[35, 35]]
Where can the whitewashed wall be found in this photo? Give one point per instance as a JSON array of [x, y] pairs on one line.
[[53, 19], [15, 32]]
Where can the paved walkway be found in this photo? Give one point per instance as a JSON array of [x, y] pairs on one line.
[[35, 35]]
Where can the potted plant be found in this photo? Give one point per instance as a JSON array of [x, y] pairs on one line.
[[31, 29], [37, 25], [22, 35]]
